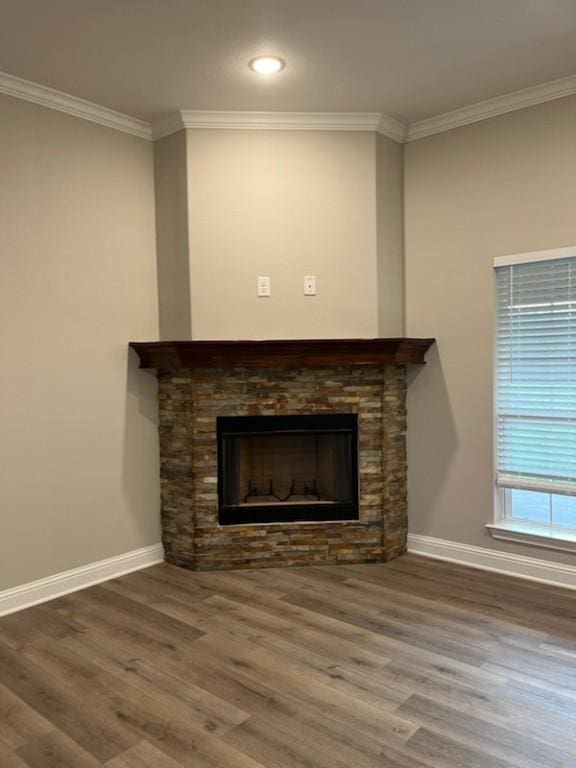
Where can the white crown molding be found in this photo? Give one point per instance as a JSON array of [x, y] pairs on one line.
[[280, 121], [520, 566], [500, 105], [290, 121], [283, 121], [35, 592], [72, 105], [392, 128]]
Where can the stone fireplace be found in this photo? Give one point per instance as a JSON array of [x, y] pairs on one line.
[[282, 453]]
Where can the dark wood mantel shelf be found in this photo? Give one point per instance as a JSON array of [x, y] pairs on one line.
[[280, 353]]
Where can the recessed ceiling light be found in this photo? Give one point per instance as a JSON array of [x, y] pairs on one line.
[[267, 65]]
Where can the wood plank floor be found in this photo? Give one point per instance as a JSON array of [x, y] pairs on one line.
[[412, 664]]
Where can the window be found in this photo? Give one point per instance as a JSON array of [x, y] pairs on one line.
[[536, 390]]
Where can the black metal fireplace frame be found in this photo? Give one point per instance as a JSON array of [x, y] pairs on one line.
[[318, 423]]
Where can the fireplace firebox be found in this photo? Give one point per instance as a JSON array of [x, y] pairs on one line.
[[279, 469]]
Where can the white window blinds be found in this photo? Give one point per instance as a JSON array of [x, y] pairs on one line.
[[536, 375]]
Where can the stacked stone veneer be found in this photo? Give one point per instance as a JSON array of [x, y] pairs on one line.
[[190, 401]]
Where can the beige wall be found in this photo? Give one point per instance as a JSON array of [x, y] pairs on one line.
[[170, 184], [390, 235], [78, 454], [283, 204], [501, 186]]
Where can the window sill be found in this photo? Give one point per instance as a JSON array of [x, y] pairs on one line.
[[535, 535]]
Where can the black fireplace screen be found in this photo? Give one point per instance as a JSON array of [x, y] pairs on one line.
[[274, 469]]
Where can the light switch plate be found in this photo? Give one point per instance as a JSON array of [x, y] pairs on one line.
[[264, 288], [309, 285]]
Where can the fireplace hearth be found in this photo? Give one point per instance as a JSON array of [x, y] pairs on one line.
[[296, 468]]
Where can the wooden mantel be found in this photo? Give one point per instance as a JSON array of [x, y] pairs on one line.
[[280, 353]]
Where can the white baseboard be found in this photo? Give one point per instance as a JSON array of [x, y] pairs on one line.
[[522, 567], [34, 592]]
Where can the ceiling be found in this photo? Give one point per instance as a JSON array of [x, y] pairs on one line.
[[411, 59]]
